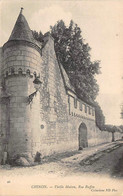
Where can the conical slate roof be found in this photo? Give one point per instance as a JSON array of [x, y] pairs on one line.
[[21, 30]]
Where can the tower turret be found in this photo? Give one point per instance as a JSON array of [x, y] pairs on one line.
[[21, 64]]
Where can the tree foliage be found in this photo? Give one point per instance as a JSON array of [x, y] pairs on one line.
[[121, 127], [113, 128], [38, 36], [100, 119], [74, 55]]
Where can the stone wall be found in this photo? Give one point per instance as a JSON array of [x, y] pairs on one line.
[[105, 136], [60, 120], [54, 104]]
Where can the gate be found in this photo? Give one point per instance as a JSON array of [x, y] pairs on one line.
[[83, 141]]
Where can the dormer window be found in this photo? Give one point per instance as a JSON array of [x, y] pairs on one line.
[[85, 109], [75, 102], [92, 112], [80, 106], [89, 110]]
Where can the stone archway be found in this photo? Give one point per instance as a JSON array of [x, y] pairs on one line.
[[83, 140]]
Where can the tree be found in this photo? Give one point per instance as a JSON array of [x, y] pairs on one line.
[[121, 127], [74, 55], [100, 119], [113, 129], [38, 36]]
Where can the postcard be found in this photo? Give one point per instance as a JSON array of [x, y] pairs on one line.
[[61, 98]]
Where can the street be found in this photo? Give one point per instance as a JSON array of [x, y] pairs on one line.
[[105, 159], [97, 171], [108, 162]]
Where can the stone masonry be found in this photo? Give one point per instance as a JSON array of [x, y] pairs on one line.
[[49, 120]]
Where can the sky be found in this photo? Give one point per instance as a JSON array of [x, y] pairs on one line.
[[101, 22]]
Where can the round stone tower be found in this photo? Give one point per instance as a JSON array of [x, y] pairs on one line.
[[21, 67]]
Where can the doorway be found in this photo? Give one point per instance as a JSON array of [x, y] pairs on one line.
[[83, 140]]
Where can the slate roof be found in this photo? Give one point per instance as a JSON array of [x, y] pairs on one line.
[[21, 30], [66, 79]]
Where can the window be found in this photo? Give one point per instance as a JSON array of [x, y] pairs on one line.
[[19, 71], [55, 104], [6, 73], [80, 106], [92, 112], [12, 70], [89, 110], [85, 109], [35, 74], [75, 102], [28, 72]]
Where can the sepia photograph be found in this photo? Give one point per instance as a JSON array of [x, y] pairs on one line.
[[61, 98]]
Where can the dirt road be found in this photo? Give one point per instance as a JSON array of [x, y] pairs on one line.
[[108, 162], [92, 171], [103, 160]]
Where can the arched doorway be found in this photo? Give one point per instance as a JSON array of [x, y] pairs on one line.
[[83, 140]]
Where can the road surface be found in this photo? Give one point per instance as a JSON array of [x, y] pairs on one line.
[[92, 171], [102, 160], [108, 162]]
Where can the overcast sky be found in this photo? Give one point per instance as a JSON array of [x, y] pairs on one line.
[[101, 23]]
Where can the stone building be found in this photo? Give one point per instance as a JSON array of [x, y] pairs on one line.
[[39, 109]]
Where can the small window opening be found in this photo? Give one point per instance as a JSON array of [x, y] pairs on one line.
[[75, 102], [19, 71], [85, 109]]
